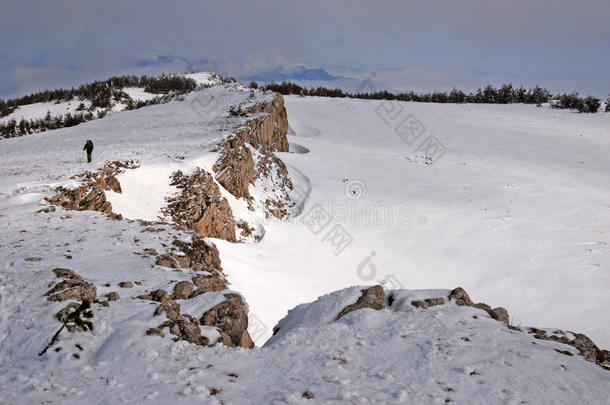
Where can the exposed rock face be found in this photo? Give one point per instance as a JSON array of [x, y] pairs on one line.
[[200, 207], [201, 254], [76, 289], [235, 167], [231, 318], [270, 129], [373, 297], [263, 134], [90, 196], [274, 171], [187, 328]]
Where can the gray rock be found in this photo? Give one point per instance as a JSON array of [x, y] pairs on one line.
[[182, 290], [373, 297], [461, 297]]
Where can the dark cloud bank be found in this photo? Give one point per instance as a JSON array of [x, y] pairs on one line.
[[563, 45]]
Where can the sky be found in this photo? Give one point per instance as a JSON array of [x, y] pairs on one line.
[[430, 45]]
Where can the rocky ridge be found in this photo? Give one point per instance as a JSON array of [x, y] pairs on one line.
[[246, 156]]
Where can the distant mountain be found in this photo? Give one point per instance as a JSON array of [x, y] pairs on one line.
[[301, 73]]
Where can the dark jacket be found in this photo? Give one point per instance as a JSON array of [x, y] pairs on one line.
[[88, 147]]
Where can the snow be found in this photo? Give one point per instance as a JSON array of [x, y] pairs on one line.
[[144, 191], [516, 212], [138, 93], [205, 78], [39, 110]]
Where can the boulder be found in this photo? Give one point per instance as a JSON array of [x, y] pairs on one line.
[[461, 297], [79, 290], [373, 297], [126, 284], [182, 290], [186, 328], [207, 283], [230, 317], [67, 274], [201, 253], [482, 306], [428, 302], [112, 296], [500, 314], [156, 295]]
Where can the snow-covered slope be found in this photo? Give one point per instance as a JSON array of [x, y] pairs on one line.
[[516, 211]]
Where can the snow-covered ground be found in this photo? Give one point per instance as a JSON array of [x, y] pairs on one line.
[[516, 211], [138, 93], [39, 110]]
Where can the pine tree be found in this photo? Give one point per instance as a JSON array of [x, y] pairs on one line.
[[591, 104]]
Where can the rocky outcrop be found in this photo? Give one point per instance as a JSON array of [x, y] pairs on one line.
[[90, 195], [72, 289], [373, 297], [461, 298], [262, 135], [428, 302], [230, 317], [585, 346], [270, 128], [235, 167], [246, 158], [184, 327], [272, 170], [199, 254], [209, 283], [200, 207], [182, 290], [76, 315]]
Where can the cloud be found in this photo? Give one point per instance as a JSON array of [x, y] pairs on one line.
[[300, 73], [61, 43]]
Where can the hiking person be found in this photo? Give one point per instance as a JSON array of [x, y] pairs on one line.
[[89, 148]]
